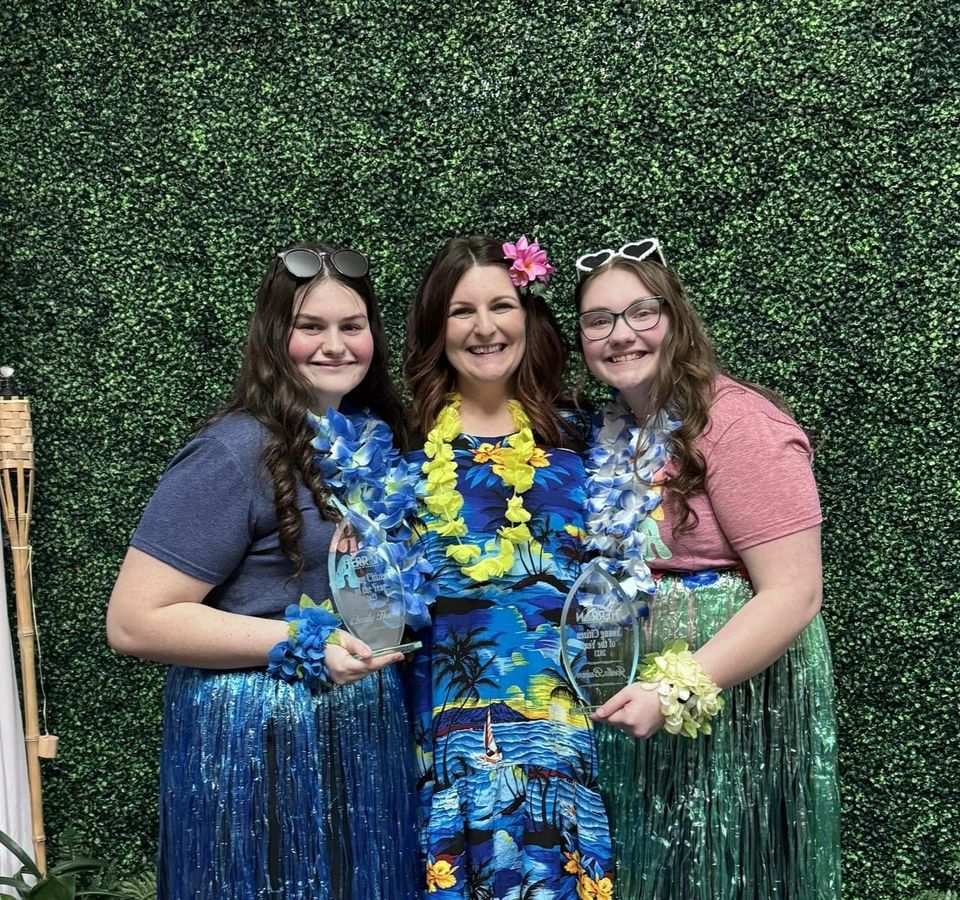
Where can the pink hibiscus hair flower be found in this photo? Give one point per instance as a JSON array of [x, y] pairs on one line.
[[529, 262]]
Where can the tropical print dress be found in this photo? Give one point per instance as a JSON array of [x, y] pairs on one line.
[[507, 764]]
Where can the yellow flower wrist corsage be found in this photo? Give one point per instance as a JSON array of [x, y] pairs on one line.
[[689, 698]]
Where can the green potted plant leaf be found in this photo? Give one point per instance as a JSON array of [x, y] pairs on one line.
[[60, 882]]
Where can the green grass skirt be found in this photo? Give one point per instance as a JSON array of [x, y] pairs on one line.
[[750, 812]]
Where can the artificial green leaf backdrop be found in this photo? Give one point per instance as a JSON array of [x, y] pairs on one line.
[[798, 159]]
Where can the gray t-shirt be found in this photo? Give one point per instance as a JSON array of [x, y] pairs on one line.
[[212, 517]]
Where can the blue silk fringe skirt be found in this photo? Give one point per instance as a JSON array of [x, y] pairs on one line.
[[750, 812], [268, 790]]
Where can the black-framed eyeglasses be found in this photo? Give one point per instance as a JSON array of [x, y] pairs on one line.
[[641, 315], [301, 262], [645, 248]]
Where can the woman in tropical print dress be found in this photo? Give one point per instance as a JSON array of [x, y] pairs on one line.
[[507, 763]]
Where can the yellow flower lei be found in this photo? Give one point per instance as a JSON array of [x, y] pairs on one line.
[[514, 463]]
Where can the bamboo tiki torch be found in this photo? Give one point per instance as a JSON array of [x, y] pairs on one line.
[[16, 500]]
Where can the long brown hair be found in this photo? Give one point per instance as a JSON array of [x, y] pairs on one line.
[[685, 379], [428, 373], [271, 390]]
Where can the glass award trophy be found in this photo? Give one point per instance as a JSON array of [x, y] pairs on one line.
[[366, 584], [599, 640]]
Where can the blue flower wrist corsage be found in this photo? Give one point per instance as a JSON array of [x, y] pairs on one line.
[[301, 657]]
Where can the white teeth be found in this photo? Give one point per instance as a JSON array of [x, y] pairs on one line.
[[488, 348], [627, 357]]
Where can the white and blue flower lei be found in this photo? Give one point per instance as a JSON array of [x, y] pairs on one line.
[[357, 458], [621, 495]]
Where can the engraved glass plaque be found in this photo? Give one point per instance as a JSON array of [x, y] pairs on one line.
[[599, 644], [366, 584]]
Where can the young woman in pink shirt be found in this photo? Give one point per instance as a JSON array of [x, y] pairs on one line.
[[719, 765]]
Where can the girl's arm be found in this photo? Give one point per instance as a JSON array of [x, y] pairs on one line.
[[786, 574], [156, 612]]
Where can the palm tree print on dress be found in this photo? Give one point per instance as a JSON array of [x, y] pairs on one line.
[[456, 661]]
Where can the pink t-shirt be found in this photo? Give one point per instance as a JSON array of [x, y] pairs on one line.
[[759, 483]]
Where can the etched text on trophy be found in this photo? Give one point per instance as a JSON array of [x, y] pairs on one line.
[[605, 672], [370, 617], [600, 615], [372, 583]]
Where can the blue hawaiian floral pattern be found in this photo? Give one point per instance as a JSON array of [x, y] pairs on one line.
[[506, 762]]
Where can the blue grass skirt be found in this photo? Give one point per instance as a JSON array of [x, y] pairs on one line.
[[268, 790], [750, 812]]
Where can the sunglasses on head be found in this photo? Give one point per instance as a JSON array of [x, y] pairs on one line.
[[645, 248], [304, 263]]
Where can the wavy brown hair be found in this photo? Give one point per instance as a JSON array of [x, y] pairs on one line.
[[685, 379], [429, 374], [271, 390]]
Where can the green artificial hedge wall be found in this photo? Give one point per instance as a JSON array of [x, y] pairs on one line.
[[798, 159]]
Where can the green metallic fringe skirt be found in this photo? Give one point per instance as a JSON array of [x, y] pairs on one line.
[[749, 812], [270, 791]]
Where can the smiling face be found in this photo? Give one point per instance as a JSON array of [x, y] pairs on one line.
[[627, 360], [330, 342], [486, 332]]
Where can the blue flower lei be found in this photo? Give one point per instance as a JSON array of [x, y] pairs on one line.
[[621, 464], [367, 474]]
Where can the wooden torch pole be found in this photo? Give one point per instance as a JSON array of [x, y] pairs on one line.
[[16, 499]]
